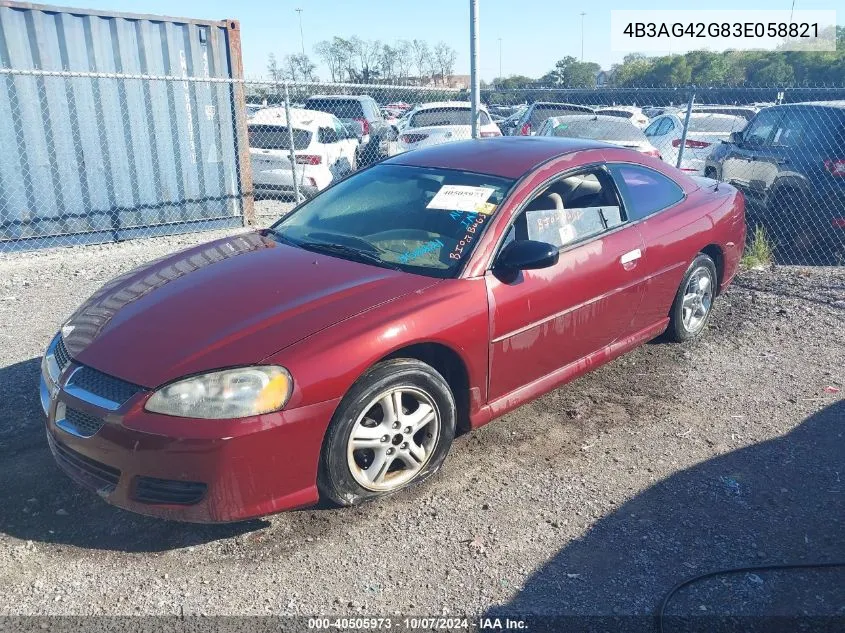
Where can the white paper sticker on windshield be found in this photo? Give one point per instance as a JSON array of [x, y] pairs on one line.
[[460, 198]]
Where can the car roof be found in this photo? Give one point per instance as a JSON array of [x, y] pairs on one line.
[[559, 104], [631, 109], [599, 118], [504, 156], [334, 97], [823, 104], [445, 104], [301, 117]]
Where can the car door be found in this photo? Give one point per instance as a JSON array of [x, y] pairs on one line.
[[330, 147], [347, 143], [544, 320], [741, 167], [655, 203]]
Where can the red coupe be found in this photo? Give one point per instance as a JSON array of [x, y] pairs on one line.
[[337, 353]]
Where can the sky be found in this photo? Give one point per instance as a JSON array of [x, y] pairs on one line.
[[534, 33]]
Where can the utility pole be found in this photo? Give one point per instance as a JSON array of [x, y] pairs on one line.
[[582, 35], [475, 91], [302, 37]]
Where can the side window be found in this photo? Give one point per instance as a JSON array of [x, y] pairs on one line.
[[644, 190], [666, 126], [484, 119], [760, 129], [326, 135], [651, 130], [793, 131], [570, 210], [341, 130]]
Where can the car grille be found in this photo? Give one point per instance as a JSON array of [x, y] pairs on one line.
[[79, 423], [170, 491], [61, 354], [103, 385], [104, 476]]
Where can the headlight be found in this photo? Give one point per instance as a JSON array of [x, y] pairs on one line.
[[229, 393]]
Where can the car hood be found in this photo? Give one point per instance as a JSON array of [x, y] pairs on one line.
[[234, 301]]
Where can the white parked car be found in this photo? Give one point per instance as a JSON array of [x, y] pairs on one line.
[[609, 129], [630, 113], [443, 122], [324, 150], [705, 130]]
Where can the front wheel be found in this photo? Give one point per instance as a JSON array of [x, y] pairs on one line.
[[693, 301], [393, 429]]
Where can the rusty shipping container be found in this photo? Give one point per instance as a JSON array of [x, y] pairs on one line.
[[89, 158]]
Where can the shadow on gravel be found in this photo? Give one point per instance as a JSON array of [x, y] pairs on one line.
[[779, 501], [41, 504]]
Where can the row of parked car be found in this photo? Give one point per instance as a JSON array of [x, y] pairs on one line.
[[789, 160]]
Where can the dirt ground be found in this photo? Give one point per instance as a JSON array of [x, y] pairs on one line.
[[670, 462]]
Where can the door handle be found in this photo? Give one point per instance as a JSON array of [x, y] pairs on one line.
[[630, 256]]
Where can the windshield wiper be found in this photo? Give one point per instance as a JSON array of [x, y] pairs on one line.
[[281, 237], [346, 251]]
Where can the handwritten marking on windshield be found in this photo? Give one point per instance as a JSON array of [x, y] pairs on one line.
[[426, 248]]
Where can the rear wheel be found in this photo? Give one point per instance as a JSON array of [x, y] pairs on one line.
[[694, 300], [393, 429]]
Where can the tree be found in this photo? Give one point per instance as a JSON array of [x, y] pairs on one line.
[[387, 63], [444, 60], [274, 73], [404, 59], [775, 73], [366, 53], [422, 58], [570, 73], [301, 67]]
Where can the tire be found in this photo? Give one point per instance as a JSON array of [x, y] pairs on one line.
[[383, 442], [689, 315]]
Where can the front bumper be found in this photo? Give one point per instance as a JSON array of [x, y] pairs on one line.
[[180, 468]]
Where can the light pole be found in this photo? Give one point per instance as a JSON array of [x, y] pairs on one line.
[[500, 58], [582, 35], [301, 36]]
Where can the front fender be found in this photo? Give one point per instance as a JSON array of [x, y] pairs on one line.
[[452, 313]]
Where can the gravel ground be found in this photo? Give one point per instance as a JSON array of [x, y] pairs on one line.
[[672, 461]]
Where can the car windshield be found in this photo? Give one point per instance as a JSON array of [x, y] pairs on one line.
[[442, 116], [341, 108], [277, 137], [599, 130], [420, 220], [719, 123]]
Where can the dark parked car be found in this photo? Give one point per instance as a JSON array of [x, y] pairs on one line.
[[533, 116], [336, 353], [363, 116], [790, 163]]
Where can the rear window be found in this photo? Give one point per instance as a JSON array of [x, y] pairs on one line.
[[620, 113], [715, 123], [599, 130], [277, 137], [341, 108], [543, 112], [442, 116]]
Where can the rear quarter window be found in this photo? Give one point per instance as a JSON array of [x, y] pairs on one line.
[[644, 190]]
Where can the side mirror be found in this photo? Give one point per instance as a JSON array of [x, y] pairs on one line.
[[527, 255], [330, 136]]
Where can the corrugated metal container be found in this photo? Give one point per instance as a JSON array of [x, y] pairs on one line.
[[91, 159]]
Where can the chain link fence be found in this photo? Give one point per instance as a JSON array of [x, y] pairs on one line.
[[97, 157], [105, 157]]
